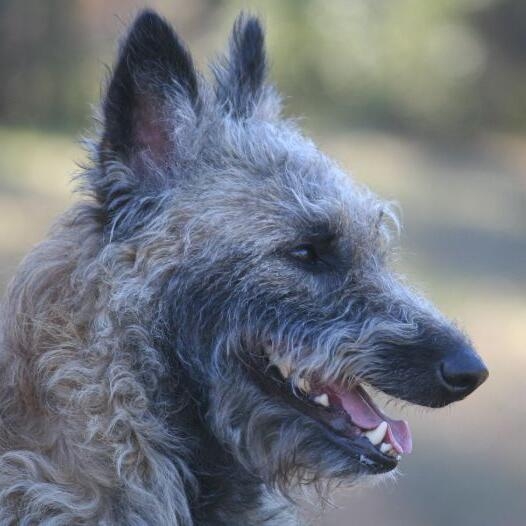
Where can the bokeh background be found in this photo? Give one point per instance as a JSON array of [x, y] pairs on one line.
[[425, 101]]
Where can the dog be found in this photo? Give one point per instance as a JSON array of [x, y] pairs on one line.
[[198, 337]]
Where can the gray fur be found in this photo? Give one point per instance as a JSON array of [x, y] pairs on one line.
[[126, 397]]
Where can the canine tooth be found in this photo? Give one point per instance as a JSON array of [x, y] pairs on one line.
[[284, 368], [376, 435], [384, 448], [322, 399], [398, 458], [303, 385], [283, 363]]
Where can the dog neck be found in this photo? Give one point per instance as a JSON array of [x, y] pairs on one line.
[[227, 494]]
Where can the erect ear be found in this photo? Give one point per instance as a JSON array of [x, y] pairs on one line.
[[240, 76], [153, 70]]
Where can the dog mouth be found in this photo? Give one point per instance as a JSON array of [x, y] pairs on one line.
[[347, 414]]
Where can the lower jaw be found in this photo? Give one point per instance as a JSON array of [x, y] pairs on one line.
[[364, 457]]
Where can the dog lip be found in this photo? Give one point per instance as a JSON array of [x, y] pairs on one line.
[[371, 459]]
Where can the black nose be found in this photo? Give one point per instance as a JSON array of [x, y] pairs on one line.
[[463, 371]]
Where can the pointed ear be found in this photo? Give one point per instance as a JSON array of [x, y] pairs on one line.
[[153, 67], [240, 76]]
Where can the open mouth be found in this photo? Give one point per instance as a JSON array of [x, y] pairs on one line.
[[348, 414]]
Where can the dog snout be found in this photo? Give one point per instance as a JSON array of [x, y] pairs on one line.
[[462, 371]]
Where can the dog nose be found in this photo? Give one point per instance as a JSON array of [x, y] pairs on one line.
[[463, 371]]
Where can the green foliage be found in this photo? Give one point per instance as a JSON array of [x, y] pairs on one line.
[[405, 63], [445, 67]]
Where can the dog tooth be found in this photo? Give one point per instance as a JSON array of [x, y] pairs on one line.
[[384, 448], [398, 458], [284, 368], [283, 363], [376, 435], [303, 385], [322, 399]]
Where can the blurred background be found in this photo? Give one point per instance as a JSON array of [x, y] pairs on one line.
[[423, 101]]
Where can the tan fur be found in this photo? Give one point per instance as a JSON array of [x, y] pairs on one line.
[[77, 436]]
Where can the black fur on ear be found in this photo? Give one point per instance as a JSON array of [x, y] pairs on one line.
[[153, 81], [152, 65], [240, 76]]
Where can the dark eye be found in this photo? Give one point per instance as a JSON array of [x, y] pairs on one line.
[[306, 253]]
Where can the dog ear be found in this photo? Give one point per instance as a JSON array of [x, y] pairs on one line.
[[240, 76], [153, 70]]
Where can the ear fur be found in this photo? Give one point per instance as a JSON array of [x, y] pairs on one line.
[[240, 76], [154, 74], [153, 64]]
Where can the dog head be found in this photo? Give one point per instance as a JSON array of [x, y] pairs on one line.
[[264, 267]]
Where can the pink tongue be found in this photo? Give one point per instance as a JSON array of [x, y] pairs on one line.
[[364, 413]]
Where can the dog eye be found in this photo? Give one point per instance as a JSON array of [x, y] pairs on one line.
[[306, 253]]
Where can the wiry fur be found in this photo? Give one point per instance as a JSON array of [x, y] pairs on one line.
[[128, 335]]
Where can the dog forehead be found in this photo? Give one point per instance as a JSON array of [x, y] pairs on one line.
[[282, 185], [269, 179], [277, 154]]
